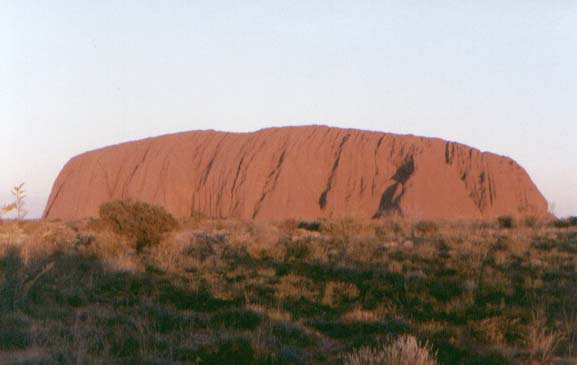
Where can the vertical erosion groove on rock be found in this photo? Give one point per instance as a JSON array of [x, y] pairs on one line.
[[329, 184], [392, 195]]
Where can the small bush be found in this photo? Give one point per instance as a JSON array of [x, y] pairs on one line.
[[201, 250], [530, 221], [304, 308], [426, 228], [540, 339], [231, 351], [489, 330], [236, 319], [505, 221], [292, 334], [572, 221], [296, 287], [314, 226], [544, 244], [165, 320], [12, 277], [200, 300], [560, 223], [366, 331], [287, 356], [123, 345], [297, 250], [406, 350], [338, 293], [491, 358], [445, 289], [140, 221], [14, 333]]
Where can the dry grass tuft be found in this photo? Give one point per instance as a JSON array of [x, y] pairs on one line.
[[542, 340], [405, 350]]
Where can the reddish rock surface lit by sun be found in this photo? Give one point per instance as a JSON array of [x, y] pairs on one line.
[[298, 172]]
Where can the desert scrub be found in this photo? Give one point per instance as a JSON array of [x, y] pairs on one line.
[[425, 228], [505, 221], [142, 222], [236, 319], [406, 350], [14, 332], [296, 287], [338, 293], [489, 330], [298, 249], [560, 223], [218, 305], [11, 279], [314, 226], [530, 221], [540, 339]]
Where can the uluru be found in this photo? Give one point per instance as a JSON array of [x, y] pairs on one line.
[[304, 172]]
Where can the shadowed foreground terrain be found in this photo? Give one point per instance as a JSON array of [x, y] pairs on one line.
[[243, 292]]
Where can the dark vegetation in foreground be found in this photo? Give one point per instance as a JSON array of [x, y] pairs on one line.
[[329, 292]]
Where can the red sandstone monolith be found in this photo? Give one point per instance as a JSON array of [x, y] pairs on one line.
[[298, 172]]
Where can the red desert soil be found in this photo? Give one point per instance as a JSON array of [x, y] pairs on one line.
[[298, 172]]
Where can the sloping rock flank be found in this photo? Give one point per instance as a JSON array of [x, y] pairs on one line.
[[298, 172]]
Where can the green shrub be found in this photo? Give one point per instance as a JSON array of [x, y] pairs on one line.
[[297, 250], [505, 221], [204, 245], [445, 289], [199, 249], [124, 289], [165, 320], [236, 351], [236, 319], [292, 334], [530, 221], [287, 356], [492, 358], [305, 308], [368, 331], [544, 244], [14, 333], [199, 300], [560, 223], [142, 222], [11, 279], [338, 293], [314, 226]]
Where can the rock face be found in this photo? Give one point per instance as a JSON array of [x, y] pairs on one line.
[[298, 172]]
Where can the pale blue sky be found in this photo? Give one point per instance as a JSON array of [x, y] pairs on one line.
[[497, 75]]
